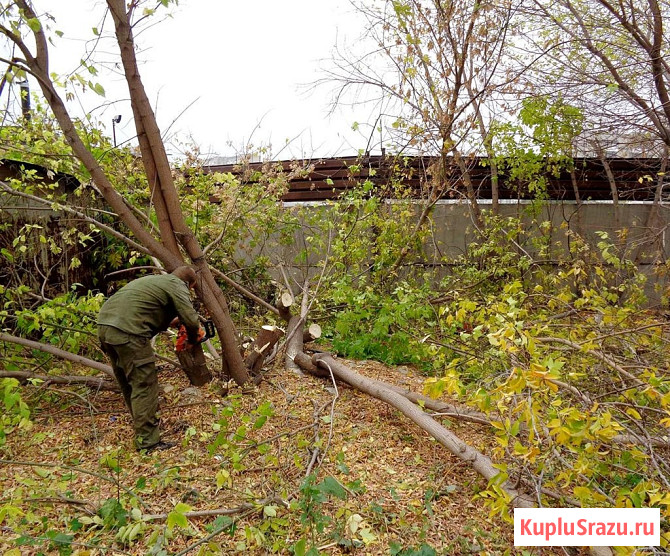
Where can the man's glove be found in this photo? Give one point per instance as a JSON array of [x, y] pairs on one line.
[[182, 339]]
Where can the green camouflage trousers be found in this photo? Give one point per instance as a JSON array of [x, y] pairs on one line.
[[133, 362]]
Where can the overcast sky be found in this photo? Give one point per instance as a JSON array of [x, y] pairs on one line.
[[245, 66]]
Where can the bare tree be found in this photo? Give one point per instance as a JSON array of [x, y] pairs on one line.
[[611, 59], [436, 66]]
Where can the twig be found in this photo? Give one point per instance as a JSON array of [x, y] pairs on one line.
[[97, 547], [58, 352], [285, 277], [132, 269], [596, 354], [332, 406], [90, 381], [65, 208], [208, 537], [62, 500], [317, 450], [245, 291], [71, 393], [207, 513], [277, 437], [626, 332]]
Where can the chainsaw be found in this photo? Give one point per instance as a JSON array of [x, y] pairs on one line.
[[205, 333]]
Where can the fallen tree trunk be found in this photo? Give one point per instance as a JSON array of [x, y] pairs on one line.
[[443, 408], [478, 461], [471, 415], [46, 348], [90, 381]]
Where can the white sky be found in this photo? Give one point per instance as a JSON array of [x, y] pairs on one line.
[[244, 63]]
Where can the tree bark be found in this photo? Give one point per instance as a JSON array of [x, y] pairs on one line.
[[165, 194], [194, 365]]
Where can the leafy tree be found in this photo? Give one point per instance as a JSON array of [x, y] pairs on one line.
[[608, 58]]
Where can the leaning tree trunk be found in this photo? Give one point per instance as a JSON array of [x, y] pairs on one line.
[[171, 222], [167, 203]]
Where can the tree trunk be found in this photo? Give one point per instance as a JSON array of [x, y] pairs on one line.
[[166, 198], [654, 231], [613, 188], [164, 194], [578, 202], [194, 365], [470, 190]]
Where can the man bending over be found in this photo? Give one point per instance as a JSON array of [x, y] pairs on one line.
[[126, 323]]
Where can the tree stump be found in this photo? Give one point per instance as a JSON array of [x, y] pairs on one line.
[[193, 362]]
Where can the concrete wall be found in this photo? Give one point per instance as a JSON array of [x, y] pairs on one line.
[[453, 229]]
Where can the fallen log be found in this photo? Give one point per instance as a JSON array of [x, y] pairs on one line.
[[478, 461], [474, 416], [90, 381], [46, 348]]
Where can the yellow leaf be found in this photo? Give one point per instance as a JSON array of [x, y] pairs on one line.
[[498, 425], [582, 492], [633, 413]]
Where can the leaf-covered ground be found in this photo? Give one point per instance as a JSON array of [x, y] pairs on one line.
[[379, 484]]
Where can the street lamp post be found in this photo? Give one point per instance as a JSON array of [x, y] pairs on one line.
[[115, 120]]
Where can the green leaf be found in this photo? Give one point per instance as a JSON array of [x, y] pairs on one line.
[[270, 511], [182, 508], [224, 522], [332, 486], [177, 517], [34, 24], [59, 538], [367, 536], [260, 421], [75, 525], [99, 89], [299, 547]]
